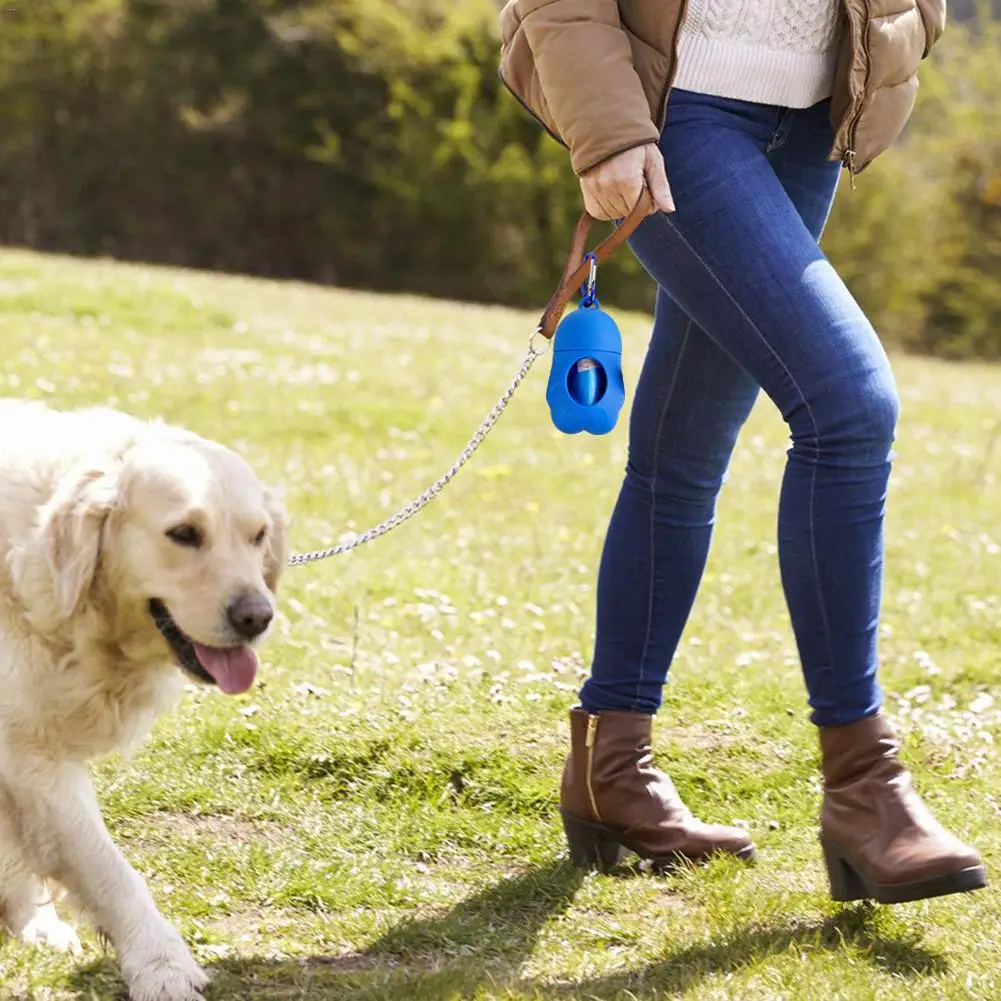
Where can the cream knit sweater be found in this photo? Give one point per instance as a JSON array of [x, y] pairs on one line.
[[779, 52]]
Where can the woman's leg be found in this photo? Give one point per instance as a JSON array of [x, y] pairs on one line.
[[691, 401], [740, 260]]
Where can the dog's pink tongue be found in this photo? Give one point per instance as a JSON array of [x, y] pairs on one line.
[[234, 669]]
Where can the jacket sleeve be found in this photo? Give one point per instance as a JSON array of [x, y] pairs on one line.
[[933, 15], [584, 62]]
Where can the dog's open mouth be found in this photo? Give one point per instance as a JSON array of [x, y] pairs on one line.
[[233, 669]]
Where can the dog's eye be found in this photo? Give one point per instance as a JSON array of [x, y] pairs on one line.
[[260, 537], [186, 535]]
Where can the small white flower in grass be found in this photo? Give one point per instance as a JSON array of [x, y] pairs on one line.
[[306, 689], [926, 663], [981, 703]]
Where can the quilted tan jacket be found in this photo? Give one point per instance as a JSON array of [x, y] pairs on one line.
[[596, 73]]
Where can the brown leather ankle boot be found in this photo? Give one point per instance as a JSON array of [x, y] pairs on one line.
[[614, 801], [879, 840]]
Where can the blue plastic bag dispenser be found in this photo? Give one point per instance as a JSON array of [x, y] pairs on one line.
[[586, 389]]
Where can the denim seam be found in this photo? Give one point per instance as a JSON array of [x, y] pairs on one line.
[[781, 132], [813, 420], [641, 677]]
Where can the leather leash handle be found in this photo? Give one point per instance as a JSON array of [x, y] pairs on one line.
[[576, 270]]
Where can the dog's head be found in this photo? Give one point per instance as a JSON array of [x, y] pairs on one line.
[[178, 539]]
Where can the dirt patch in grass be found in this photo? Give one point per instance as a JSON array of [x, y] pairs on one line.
[[217, 827]]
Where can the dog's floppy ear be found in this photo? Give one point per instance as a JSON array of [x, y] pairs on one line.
[[276, 558], [70, 530]]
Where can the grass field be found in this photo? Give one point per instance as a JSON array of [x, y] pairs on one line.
[[377, 818]]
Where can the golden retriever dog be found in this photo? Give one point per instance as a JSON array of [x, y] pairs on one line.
[[133, 556]]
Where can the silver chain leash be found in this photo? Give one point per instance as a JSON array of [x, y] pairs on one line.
[[419, 503]]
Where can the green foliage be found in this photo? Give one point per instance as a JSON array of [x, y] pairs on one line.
[[370, 143]]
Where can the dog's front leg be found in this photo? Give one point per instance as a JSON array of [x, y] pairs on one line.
[[66, 835]]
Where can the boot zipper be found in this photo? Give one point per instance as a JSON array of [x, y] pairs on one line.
[[592, 731]]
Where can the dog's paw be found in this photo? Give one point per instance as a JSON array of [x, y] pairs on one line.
[[163, 969], [46, 928]]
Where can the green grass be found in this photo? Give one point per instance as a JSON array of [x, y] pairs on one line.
[[377, 819]]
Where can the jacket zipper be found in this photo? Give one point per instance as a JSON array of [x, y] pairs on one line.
[[862, 38], [665, 93], [592, 731]]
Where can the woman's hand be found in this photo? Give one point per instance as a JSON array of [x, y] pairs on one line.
[[612, 189]]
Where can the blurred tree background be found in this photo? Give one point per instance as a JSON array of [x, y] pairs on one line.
[[369, 143]]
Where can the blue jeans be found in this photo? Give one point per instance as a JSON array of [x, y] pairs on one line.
[[747, 300]]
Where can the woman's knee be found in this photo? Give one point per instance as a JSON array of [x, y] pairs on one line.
[[853, 422], [682, 491]]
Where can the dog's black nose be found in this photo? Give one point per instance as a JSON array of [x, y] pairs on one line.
[[250, 615]]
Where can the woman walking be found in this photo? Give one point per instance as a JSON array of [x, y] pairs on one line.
[[738, 117]]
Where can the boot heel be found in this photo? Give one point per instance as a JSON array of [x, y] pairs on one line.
[[591, 845], [846, 884]]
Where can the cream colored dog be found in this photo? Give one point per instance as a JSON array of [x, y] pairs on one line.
[[132, 555]]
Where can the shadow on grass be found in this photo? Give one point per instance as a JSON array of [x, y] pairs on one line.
[[483, 943], [854, 930]]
